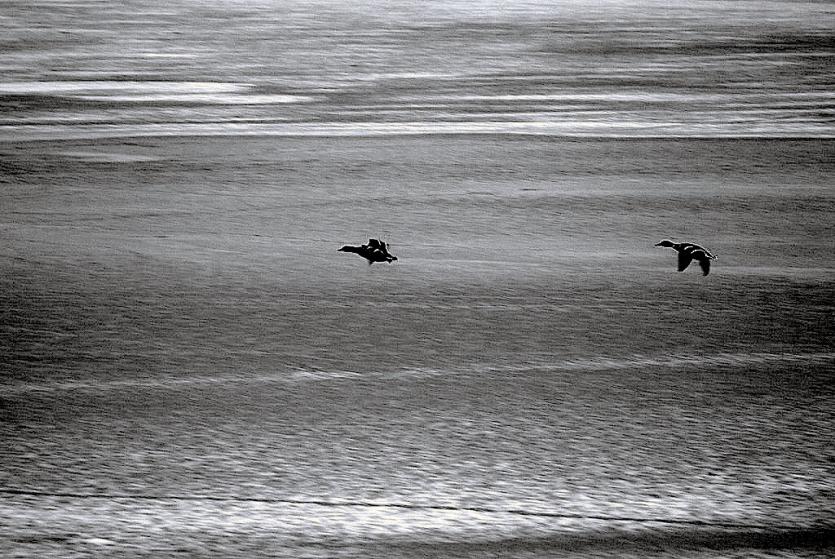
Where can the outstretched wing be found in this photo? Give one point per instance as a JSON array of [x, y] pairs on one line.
[[684, 260], [349, 248], [704, 262]]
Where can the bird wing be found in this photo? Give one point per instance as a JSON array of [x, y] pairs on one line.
[[684, 259], [696, 249], [704, 262]]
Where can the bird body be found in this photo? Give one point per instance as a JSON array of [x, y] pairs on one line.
[[687, 252], [374, 251]]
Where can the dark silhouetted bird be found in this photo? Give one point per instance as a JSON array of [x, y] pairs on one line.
[[687, 252], [375, 251]]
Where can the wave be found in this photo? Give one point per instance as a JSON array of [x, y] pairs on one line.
[[686, 361], [117, 87], [113, 91], [437, 527], [602, 364], [617, 542], [201, 98], [299, 375], [625, 96], [576, 128]]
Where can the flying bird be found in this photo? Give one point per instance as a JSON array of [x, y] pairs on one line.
[[375, 251], [687, 252]]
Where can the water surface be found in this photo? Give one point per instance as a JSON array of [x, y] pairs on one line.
[[188, 367]]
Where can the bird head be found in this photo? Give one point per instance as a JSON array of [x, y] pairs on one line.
[[665, 243]]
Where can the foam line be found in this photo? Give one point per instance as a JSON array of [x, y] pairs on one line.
[[591, 365], [76, 87], [577, 128], [391, 505]]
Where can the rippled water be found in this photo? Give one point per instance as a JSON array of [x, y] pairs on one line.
[[615, 68], [189, 367]]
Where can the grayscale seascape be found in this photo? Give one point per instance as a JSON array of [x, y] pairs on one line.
[[189, 368]]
